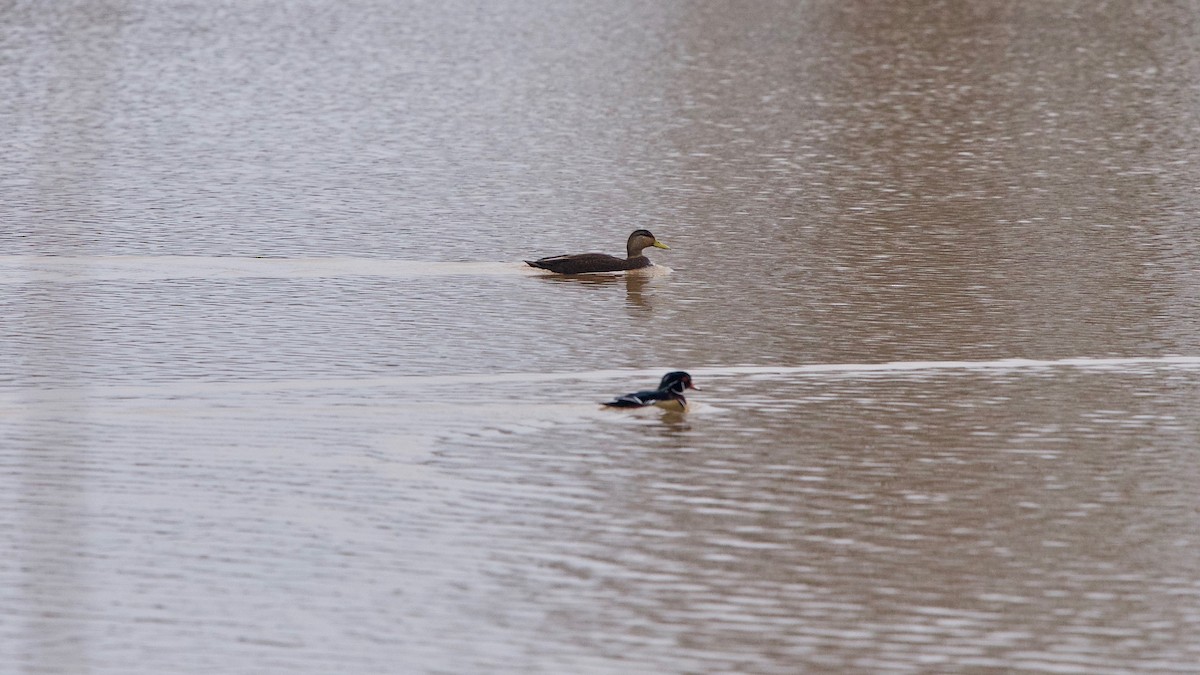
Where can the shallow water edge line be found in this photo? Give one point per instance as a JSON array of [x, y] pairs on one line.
[[899, 368], [59, 269], [1087, 363], [849, 369]]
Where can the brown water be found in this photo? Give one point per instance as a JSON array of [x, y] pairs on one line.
[[277, 395]]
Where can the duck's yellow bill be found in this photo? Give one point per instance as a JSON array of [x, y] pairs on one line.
[[659, 244]]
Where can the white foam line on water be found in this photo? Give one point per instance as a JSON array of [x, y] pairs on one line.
[[633, 379], [831, 369], [26, 269], [998, 364]]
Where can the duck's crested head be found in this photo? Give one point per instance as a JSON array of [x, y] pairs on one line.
[[641, 240], [676, 381]]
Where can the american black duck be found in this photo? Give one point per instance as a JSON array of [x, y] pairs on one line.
[[585, 263]]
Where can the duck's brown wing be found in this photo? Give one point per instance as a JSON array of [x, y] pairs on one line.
[[584, 263]]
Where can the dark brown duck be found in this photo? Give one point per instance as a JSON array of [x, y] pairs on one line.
[[584, 263]]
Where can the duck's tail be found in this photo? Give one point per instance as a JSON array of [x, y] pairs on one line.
[[534, 263]]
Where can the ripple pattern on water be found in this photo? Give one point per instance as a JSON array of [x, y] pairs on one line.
[[276, 393]]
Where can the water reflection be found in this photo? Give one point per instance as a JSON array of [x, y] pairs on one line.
[[674, 422], [46, 450], [636, 300], [657, 422], [932, 173]]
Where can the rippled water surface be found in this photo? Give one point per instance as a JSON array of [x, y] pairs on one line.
[[278, 395]]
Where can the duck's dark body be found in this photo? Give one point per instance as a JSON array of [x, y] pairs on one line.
[[587, 263], [668, 395], [584, 263], [644, 398]]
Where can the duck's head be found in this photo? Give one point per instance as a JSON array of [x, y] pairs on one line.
[[641, 240], [676, 382]]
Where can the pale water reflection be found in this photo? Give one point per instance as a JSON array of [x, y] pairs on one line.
[[278, 395]]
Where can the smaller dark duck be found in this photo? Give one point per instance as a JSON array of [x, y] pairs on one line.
[[585, 263], [669, 394]]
